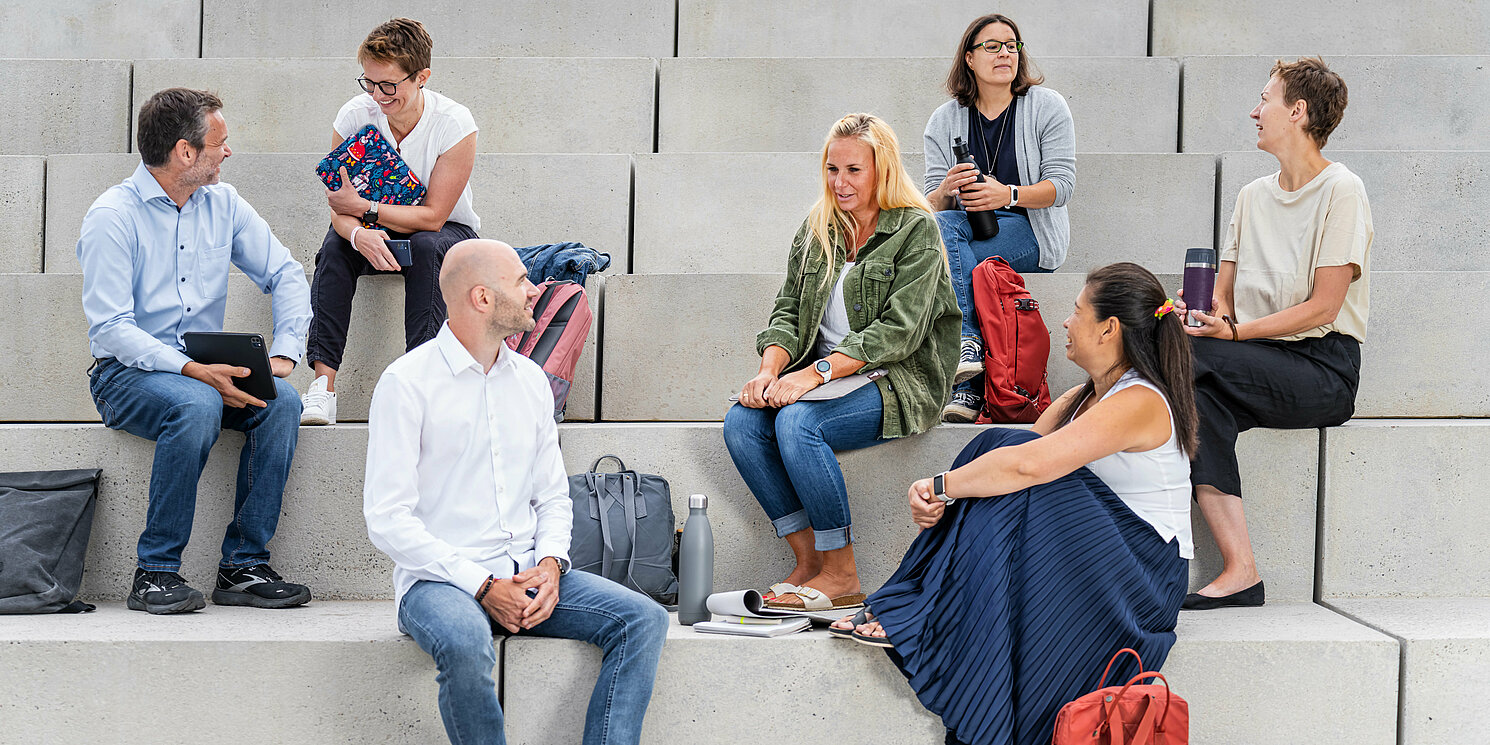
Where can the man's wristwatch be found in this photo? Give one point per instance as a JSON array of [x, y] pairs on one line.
[[371, 215], [825, 369], [939, 488], [563, 565], [1013, 195]]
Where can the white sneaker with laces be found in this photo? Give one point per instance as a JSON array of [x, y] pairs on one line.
[[318, 405]]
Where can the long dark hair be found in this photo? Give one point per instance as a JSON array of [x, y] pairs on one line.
[[961, 84], [1155, 347]]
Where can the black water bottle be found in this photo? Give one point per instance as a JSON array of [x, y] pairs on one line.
[[985, 223]]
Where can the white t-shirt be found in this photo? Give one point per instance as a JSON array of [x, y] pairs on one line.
[[1155, 484], [834, 325], [443, 124], [1278, 238]]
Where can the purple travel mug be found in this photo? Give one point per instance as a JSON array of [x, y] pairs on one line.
[[1200, 281]]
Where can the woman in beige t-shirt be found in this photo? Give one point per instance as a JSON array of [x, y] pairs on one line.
[[1283, 349]]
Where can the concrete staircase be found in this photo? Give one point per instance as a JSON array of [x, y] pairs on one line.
[[681, 137]]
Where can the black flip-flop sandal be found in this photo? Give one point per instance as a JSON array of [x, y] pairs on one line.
[[883, 642], [859, 619]]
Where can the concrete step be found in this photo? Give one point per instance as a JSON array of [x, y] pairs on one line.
[[326, 672], [782, 28], [528, 28], [101, 29], [794, 101], [1411, 361], [1320, 677], [748, 229], [52, 386], [1450, 234], [283, 188], [22, 193], [1221, 27], [322, 537], [511, 98], [1413, 530], [72, 105], [1445, 659], [1220, 91]]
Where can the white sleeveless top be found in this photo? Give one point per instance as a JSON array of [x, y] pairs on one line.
[[1155, 484]]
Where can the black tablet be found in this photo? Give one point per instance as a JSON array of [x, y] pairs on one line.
[[231, 348]]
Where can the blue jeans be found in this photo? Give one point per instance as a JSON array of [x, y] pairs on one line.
[[786, 458], [184, 417], [456, 631], [1015, 243]]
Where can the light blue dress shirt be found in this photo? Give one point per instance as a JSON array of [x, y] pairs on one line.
[[152, 272]]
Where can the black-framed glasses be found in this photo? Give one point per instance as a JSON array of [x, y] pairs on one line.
[[388, 89], [992, 46]]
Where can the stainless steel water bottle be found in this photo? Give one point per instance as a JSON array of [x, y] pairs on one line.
[[985, 223], [695, 563]]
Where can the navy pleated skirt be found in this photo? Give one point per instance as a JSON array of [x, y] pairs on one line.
[[1011, 606]]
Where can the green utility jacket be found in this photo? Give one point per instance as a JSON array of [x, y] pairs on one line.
[[902, 315]]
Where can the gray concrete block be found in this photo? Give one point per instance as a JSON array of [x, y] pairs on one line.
[[328, 672], [49, 306], [1414, 363], [1115, 215], [511, 98], [1445, 659], [507, 191], [1322, 677], [1219, 27], [1220, 91], [787, 105], [71, 106], [22, 192], [1451, 232], [1403, 510], [529, 28], [1279, 466], [781, 28], [101, 29]]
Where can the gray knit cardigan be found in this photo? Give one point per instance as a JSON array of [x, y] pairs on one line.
[[1044, 148]]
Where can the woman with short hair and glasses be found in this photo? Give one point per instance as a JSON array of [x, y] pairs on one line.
[[1021, 136], [436, 137]]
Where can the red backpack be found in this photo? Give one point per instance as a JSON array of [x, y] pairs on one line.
[[562, 321], [1016, 345]]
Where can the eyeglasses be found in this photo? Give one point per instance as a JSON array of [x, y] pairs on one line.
[[992, 46], [388, 89]]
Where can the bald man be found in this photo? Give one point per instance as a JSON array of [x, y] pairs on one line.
[[466, 491]]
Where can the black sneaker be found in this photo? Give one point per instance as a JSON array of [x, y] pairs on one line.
[[257, 586], [163, 592], [963, 408]]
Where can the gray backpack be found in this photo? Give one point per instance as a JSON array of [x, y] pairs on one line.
[[623, 529], [45, 520]]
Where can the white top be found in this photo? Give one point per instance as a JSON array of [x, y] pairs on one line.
[[834, 325], [1278, 238], [1155, 484], [464, 476], [442, 126]]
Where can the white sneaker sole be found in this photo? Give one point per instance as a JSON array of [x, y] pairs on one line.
[[958, 414], [316, 420], [966, 372]]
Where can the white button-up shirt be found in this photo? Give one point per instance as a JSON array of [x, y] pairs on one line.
[[464, 477]]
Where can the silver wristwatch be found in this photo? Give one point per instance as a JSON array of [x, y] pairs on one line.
[[939, 488]]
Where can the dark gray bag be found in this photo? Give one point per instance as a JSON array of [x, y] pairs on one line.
[[45, 520], [623, 529]]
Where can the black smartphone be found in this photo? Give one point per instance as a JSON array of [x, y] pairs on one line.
[[400, 251]]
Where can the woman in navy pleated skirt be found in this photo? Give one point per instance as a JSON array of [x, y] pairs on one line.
[[1044, 552]]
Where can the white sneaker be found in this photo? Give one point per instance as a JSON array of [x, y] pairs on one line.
[[318, 405]]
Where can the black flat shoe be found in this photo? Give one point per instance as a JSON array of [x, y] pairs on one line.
[[1249, 598]]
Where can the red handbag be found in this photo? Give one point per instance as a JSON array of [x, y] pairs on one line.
[[1143, 714]]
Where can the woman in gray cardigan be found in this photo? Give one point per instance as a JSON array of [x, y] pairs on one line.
[[1022, 138]]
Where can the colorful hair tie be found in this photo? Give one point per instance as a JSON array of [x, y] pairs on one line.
[[1166, 308]]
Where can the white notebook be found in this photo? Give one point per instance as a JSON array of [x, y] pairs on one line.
[[784, 627]]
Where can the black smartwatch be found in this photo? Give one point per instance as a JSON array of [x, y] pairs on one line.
[[371, 215], [939, 488]]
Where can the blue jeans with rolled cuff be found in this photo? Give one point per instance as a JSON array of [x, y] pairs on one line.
[[456, 632], [184, 417], [786, 457]]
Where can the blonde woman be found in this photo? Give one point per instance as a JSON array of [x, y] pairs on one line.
[[867, 289]]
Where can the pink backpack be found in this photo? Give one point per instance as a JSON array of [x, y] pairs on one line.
[[562, 321]]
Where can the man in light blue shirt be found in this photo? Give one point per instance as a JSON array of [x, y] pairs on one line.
[[155, 252]]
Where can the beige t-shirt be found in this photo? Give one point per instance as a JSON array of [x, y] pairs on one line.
[[1278, 238]]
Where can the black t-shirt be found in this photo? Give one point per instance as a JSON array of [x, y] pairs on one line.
[[985, 136]]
